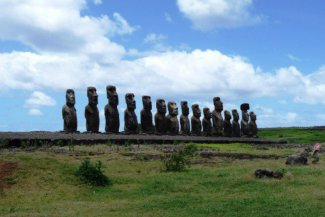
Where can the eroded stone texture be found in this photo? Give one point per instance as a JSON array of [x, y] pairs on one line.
[[91, 111], [130, 118], [69, 113], [235, 123], [195, 120], [184, 120], [244, 121], [146, 115], [206, 122], [160, 117], [252, 125], [112, 115], [172, 121], [217, 119], [227, 128]]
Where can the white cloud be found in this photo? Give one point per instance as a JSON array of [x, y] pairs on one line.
[[97, 2], [35, 112], [58, 27], [168, 18], [212, 14], [293, 58], [40, 99], [154, 38]]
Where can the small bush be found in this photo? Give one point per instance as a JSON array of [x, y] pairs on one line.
[[92, 174], [178, 161]]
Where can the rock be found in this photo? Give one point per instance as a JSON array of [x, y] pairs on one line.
[[297, 160]]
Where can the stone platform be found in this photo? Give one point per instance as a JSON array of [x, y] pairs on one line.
[[61, 138]]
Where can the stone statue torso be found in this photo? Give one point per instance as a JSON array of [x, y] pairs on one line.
[[160, 122], [207, 127], [185, 125], [217, 121], [112, 119], [146, 121], [235, 129], [244, 128], [173, 125], [69, 115], [92, 118], [252, 129], [131, 122], [196, 126], [227, 128]]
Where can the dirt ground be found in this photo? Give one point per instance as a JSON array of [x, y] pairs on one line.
[[6, 169]]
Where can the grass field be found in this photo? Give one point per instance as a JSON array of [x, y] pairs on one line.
[[44, 184]]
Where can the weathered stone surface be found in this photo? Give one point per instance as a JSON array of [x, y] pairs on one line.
[[227, 127], [195, 120], [206, 122], [130, 118], [217, 119], [146, 115], [252, 125], [160, 117], [69, 113], [245, 118], [112, 115], [172, 121], [262, 173], [91, 111], [235, 123], [184, 120]]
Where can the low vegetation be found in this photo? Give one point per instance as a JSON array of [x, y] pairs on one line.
[[92, 174]]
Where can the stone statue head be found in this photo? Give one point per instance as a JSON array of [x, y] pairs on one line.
[[227, 115], [161, 106], [172, 108], [185, 108], [218, 104], [70, 97], [244, 107], [253, 116], [147, 104], [207, 114], [112, 95], [130, 101], [92, 95], [235, 115], [196, 110]]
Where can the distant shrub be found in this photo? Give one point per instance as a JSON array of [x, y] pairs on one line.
[[92, 174], [180, 160]]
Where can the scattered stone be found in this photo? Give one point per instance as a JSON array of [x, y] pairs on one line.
[[262, 173]]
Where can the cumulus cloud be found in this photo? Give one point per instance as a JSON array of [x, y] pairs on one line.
[[154, 38], [35, 112], [58, 26], [97, 2], [212, 14], [40, 99]]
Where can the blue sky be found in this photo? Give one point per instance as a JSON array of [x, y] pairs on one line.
[[267, 53]]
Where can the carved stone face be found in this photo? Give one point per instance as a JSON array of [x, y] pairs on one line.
[[130, 101], [218, 104], [92, 96], [235, 115], [161, 106], [147, 104], [196, 110], [185, 108], [207, 114], [172, 109], [70, 98], [112, 95], [245, 116], [253, 116], [227, 115]]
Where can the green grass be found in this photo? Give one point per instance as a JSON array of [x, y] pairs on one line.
[[45, 185], [294, 135]]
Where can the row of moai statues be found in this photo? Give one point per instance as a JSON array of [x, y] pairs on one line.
[[212, 124]]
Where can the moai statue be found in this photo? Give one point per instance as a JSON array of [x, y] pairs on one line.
[[172, 121], [252, 125], [130, 118], [91, 111], [69, 112], [195, 120], [112, 115], [184, 120], [227, 128], [146, 115], [217, 119], [206, 122], [235, 123], [160, 117], [244, 121]]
